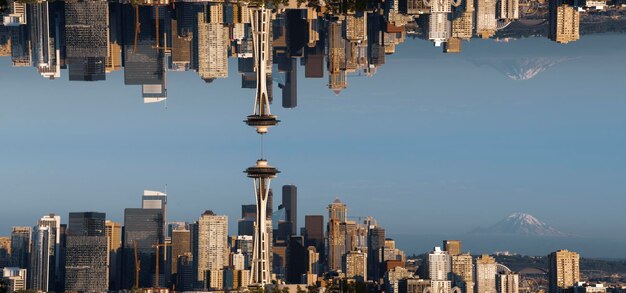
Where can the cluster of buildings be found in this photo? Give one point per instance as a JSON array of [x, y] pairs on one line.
[[148, 39], [88, 253]]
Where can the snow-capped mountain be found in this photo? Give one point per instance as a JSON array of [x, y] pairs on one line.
[[522, 68], [521, 224]]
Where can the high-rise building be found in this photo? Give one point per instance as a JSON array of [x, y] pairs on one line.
[[463, 272], [337, 214], [314, 233], [181, 245], [40, 267], [5, 252], [290, 203], [113, 233], [564, 22], [453, 247], [155, 200], [486, 271], [296, 259], [375, 249], [355, 265], [20, 247], [439, 265], [87, 38], [212, 46], [486, 22], [212, 250], [87, 254], [14, 278], [564, 270], [439, 25], [143, 228], [185, 279], [507, 283], [52, 265]]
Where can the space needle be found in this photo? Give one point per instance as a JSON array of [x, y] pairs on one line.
[[261, 173], [261, 118]]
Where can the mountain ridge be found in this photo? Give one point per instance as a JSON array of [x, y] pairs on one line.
[[520, 224]]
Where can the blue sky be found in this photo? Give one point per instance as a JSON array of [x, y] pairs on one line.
[[431, 143]]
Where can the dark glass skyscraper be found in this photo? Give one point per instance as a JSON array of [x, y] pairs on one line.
[[290, 203], [86, 262], [314, 233], [143, 228]]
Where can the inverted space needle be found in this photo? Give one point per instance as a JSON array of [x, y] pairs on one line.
[[261, 173], [261, 118]]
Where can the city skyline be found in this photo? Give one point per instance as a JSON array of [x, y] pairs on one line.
[[528, 125]]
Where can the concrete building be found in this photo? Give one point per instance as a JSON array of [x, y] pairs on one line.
[[486, 271], [564, 22], [355, 265], [564, 270], [439, 265], [14, 278], [212, 250], [507, 283], [463, 272], [393, 277], [486, 22]]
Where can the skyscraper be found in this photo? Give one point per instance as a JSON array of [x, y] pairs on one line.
[[375, 249], [296, 259], [439, 265], [87, 38], [52, 266], [212, 45], [40, 266], [439, 269], [486, 274], [564, 270], [86, 265], [113, 232], [314, 233], [564, 22], [181, 245], [20, 247], [337, 214], [486, 22], [143, 228], [290, 203], [212, 251]]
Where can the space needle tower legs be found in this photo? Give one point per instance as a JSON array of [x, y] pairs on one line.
[[261, 21]]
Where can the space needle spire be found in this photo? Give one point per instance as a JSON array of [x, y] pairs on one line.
[[262, 174], [261, 118]]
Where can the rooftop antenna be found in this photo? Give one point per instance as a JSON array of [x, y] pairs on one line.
[[166, 188]]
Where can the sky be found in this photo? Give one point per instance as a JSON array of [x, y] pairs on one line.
[[431, 144]]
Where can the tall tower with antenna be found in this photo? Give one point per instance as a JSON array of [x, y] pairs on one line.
[[261, 118], [261, 173]]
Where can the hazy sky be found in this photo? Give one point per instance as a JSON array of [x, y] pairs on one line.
[[433, 143]]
